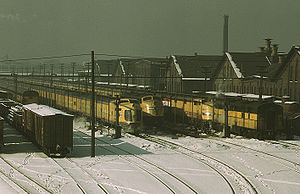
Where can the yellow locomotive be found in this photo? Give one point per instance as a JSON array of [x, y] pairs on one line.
[[152, 109]]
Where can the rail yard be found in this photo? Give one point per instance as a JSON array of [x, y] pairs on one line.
[[168, 143]]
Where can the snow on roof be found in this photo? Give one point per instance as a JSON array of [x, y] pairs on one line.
[[196, 78], [177, 65], [286, 102], [122, 67], [234, 66], [254, 96], [258, 76], [44, 110]]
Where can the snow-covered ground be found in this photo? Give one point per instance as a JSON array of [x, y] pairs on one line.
[[135, 165]]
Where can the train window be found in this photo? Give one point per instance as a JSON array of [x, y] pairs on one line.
[[147, 98], [196, 103], [128, 115], [133, 101], [123, 101]]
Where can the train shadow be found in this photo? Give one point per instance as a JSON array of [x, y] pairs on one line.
[[16, 142], [104, 146]]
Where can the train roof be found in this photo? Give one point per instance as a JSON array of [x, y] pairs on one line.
[[250, 97], [44, 110]]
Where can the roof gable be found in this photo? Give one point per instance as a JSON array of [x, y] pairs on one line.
[[198, 66], [247, 64]]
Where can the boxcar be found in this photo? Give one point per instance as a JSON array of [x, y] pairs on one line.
[[50, 128]]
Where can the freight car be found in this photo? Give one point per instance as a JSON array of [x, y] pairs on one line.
[[50, 128], [291, 116]]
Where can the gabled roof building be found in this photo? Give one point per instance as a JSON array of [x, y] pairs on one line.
[[188, 74]]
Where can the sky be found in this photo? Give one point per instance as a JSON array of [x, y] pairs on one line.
[[157, 28]]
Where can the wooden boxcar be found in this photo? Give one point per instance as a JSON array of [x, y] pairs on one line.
[[50, 128]]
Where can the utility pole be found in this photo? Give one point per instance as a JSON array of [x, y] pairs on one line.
[[51, 85], [118, 128], [16, 84], [93, 106], [205, 71], [261, 71], [73, 68], [62, 71]]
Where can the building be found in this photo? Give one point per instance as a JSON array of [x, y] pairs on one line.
[[288, 74], [147, 72], [267, 72], [188, 74]]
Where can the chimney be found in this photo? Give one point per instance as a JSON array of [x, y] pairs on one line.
[[280, 59], [274, 54], [268, 46], [274, 49], [225, 34]]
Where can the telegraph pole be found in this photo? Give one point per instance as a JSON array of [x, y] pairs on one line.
[[93, 106], [261, 71], [73, 68], [118, 128]]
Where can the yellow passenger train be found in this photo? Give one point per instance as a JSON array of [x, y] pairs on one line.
[[252, 118], [105, 107]]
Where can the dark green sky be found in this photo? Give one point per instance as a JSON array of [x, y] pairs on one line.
[[143, 27]]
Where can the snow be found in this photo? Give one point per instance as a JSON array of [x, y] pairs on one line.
[[126, 170], [177, 66], [195, 79], [234, 66]]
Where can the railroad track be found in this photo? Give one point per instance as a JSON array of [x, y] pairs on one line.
[[83, 189], [24, 182], [295, 165], [211, 162], [172, 190], [284, 143]]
